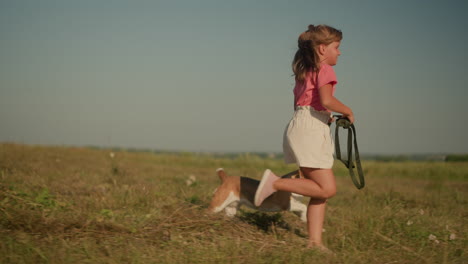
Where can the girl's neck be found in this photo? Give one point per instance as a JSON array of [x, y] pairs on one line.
[[322, 61]]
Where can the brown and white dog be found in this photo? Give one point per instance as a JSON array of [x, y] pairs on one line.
[[235, 191]]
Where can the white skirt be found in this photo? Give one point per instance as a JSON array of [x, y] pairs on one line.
[[307, 140]]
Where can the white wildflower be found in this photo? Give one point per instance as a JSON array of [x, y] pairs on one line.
[[323, 230], [436, 241], [432, 237], [452, 236], [421, 211], [409, 222], [112, 155], [191, 180]]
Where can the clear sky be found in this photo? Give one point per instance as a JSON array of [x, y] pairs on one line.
[[214, 75]]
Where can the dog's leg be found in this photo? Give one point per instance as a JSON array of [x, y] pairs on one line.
[[231, 199], [231, 209], [298, 208], [226, 194]]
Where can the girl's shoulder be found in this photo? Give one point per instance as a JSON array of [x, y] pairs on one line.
[[326, 76], [325, 72], [326, 69]]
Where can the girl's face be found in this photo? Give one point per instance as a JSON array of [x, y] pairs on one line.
[[330, 53]]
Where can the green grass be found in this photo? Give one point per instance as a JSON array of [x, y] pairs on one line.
[[79, 205]]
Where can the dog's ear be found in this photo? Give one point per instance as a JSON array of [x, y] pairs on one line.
[[222, 175]]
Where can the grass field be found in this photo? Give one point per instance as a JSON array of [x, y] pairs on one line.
[[83, 205]]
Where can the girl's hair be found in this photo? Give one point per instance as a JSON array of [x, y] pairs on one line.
[[306, 58]]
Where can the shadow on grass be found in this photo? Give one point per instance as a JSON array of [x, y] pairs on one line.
[[267, 221]]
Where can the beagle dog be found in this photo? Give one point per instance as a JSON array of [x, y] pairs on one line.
[[235, 191]]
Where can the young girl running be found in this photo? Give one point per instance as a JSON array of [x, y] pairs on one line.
[[307, 140]]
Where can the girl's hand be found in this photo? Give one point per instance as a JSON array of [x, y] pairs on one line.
[[350, 117]]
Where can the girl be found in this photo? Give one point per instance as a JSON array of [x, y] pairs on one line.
[[307, 140]]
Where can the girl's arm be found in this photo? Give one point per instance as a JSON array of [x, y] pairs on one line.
[[333, 104]]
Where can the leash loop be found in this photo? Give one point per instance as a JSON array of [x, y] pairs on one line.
[[346, 124]]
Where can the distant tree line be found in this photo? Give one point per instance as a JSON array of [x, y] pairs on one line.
[[456, 158], [279, 155]]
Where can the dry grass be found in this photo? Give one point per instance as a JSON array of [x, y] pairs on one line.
[[79, 205]]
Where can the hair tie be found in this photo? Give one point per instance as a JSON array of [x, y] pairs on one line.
[[305, 45]]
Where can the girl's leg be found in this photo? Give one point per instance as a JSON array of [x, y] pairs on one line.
[[318, 183], [316, 208], [315, 217]]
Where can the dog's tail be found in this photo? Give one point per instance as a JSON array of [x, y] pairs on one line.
[[222, 175]]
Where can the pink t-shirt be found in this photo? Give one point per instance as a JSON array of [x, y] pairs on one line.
[[306, 93]]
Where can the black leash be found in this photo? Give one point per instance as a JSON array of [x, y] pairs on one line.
[[346, 124]]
